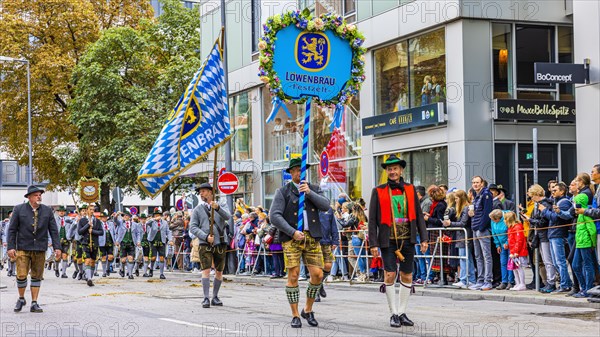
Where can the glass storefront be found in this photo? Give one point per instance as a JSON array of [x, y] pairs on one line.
[[282, 137], [424, 167], [411, 73]]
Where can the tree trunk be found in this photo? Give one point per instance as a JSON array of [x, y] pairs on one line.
[[105, 197], [166, 199]]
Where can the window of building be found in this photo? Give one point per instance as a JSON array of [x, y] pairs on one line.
[[502, 60], [241, 116], [565, 55], [411, 73], [282, 137], [344, 177], [342, 143], [272, 180], [349, 10], [10, 172], [424, 167], [256, 30], [427, 65], [533, 44]]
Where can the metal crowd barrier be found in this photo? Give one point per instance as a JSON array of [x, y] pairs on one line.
[[440, 243]]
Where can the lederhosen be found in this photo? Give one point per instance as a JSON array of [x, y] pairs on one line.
[[158, 247], [108, 243], [215, 254], [399, 234], [62, 234], [146, 249], [127, 246]]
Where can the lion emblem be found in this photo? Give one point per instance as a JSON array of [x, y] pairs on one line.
[[314, 50]]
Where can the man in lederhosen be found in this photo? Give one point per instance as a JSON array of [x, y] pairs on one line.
[[300, 244], [90, 229], [106, 243], [128, 237], [159, 236], [27, 241], [146, 249], [75, 237], [395, 219], [64, 225], [213, 245]]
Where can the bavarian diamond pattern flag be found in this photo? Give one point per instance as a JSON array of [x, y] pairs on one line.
[[198, 124]]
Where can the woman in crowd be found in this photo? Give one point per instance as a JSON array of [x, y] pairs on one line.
[[434, 217], [358, 238], [463, 221]]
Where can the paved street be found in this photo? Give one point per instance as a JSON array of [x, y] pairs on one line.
[[152, 307]]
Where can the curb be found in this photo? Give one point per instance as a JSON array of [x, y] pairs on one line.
[[456, 295]]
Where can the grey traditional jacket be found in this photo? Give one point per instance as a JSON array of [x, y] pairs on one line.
[[165, 232], [107, 227], [72, 233], [122, 229], [22, 235], [284, 211], [200, 223]]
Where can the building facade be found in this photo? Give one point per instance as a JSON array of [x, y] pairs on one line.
[[469, 63]]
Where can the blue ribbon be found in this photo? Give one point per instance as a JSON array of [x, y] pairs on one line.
[[277, 104], [338, 115]]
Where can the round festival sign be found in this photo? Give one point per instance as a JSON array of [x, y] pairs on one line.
[[304, 57]]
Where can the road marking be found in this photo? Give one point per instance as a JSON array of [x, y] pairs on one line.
[[212, 327]]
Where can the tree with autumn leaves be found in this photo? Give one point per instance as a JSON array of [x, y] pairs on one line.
[[105, 74]]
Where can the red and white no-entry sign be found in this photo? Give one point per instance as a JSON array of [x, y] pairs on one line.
[[228, 183]]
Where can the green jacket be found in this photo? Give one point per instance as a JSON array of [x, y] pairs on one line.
[[585, 234]]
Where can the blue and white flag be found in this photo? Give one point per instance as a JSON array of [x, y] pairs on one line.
[[198, 124]]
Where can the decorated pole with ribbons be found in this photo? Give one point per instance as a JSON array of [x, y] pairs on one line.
[[307, 60]]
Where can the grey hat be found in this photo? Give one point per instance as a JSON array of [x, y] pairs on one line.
[[33, 189]]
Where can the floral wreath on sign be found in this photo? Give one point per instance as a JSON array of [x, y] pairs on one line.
[[89, 196], [305, 21]]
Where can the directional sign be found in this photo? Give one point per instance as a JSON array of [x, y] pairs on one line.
[[324, 163], [228, 183]]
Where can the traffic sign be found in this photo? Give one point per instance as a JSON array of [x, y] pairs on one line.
[[228, 183], [133, 210], [324, 163], [179, 204]]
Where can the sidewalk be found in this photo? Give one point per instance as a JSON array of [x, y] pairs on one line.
[[529, 296]]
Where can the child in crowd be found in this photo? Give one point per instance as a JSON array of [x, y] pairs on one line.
[[501, 241], [278, 128], [517, 246], [250, 253]]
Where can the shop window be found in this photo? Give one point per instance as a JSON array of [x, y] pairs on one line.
[[547, 156], [502, 60], [272, 180], [241, 117], [424, 167], [533, 44], [568, 162], [505, 167], [427, 64], [344, 177]]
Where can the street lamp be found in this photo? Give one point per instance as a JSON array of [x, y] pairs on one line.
[[11, 59]]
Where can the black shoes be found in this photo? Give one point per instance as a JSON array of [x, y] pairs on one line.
[[206, 303], [162, 277], [103, 274], [96, 274], [35, 307], [318, 298], [79, 276], [405, 321], [130, 277], [56, 273], [322, 292], [20, 304], [309, 317], [90, 283], [122, 273], [64, 276], [75, 274], [216, 302], [151, 273], [296, 323], [145, 275], [395, 321], [137, 273]]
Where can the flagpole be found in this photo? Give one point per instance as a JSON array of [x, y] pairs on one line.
[[228, 144], [214, 190]]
